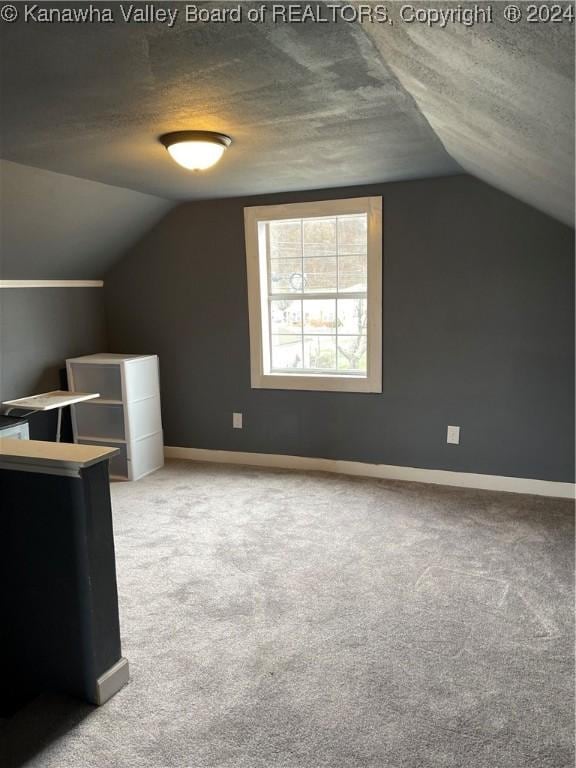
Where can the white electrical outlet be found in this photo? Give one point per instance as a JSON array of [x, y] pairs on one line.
[[453, 435], [237, 420]]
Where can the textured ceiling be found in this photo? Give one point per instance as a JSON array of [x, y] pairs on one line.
[[302, 102], [499, 96], [308, 105]]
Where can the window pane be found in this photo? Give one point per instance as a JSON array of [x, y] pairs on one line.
[[319, 237], [352, 273], [319, 315], [285, 275], [352, 316], [286, 352], [352, 234], [352, 353], [320, 274], [286, 316], [285, 239], [320, 352]]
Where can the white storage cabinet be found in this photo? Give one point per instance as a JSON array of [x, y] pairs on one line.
[[127, 413]]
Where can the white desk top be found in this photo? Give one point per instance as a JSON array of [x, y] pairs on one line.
[[49, 400]]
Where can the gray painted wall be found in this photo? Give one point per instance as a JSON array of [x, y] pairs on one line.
[[478, 332], [57, 227], [39, 329]]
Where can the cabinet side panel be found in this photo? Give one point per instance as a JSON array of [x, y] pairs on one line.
[[141, 378]]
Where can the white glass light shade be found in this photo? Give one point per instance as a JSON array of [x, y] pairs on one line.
[[196, 155], [196, 150]]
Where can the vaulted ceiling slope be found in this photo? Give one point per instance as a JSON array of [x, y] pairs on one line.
[[308, 105], [57, 227], [500, 97]]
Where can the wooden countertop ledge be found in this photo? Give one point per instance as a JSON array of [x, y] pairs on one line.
[[55, 456]]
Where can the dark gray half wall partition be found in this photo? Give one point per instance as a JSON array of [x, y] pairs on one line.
[[478, 332]]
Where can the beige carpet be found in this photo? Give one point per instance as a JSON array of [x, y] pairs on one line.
[[291, 620]]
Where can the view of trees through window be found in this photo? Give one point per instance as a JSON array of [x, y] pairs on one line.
[[317, 281]]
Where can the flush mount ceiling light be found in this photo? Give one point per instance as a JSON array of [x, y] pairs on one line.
[[196, 150]]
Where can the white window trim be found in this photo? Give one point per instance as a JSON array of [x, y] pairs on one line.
[[258, 315]]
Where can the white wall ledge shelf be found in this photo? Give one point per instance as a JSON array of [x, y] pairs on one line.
[[51, 283]]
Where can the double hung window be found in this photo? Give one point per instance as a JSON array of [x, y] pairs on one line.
[[315, 288]]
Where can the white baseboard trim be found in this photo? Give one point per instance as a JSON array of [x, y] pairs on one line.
[[51, 283], [381, 471]]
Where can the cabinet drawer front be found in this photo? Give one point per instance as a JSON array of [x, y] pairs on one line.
[[105, 380], [119, 464], [98, 420]]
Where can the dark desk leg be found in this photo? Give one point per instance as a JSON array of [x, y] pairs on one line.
[[59, 621], [59, 425]]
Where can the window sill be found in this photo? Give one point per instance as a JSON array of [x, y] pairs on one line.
[[317, 382]]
